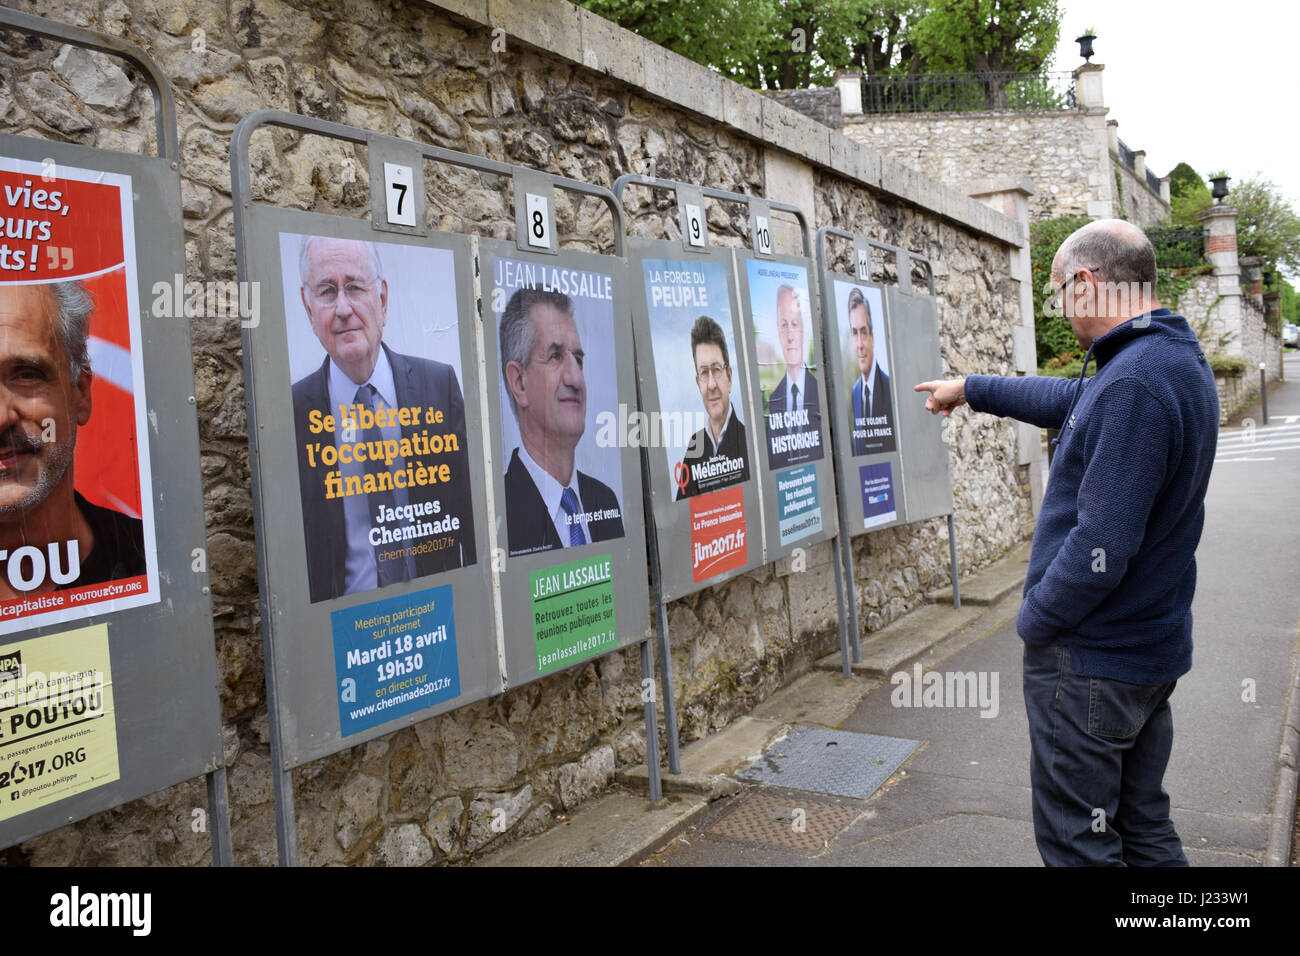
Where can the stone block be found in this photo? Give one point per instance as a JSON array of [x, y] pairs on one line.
[[403, 845], [492, 814], [742, 109], [579, 780], [94, 77], [682, 82], [813, 605], [612, 50], [795, 133], [476, 10], [443, 824], [481, 755], [360, 798], [554, 28], [47, 100]]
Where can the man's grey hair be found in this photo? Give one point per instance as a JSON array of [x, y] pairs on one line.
[[859, 301], [73, 306], [305, 248], [517, 335], [1116, 254]]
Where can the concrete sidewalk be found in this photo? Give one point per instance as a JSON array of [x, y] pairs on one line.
[[623, 827]]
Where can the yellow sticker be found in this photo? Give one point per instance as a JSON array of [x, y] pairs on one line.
[[58, 733]]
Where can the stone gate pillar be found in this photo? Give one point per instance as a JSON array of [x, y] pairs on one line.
[[1220, 224]]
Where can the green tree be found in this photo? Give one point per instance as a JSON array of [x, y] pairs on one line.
[[1289, 303], [1183, 178], [1267, 225], [793, 44], [1188, 194], [1052, 333], [716, 33], [988, 36]]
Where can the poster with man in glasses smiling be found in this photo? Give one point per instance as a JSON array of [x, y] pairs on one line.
[[382, 456]]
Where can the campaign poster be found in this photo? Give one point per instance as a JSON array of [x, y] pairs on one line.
[[799, 512], [573, 612], [878, 503], [76, 503], [559, 405], [700, 428], [783, 341], [379, 412], [395, 657], [860, 320], [58, 735]]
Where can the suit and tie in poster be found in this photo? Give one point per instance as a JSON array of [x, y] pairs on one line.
[[783, 340], [383, 469], [860, 316], [555, 334], [695, 359]]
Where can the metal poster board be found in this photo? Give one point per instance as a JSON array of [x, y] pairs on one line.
[[864, 394], [561, 386], [779, 301], [694, 370], [914, 348], [892, 465], [108, 686], [382, 497], [379, 589]]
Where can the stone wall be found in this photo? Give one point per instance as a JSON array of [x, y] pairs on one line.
[[1232, 324], [1054, 151], [410, 68], [1136, 201]]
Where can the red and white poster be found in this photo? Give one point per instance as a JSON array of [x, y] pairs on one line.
[[718, 533], [76, 506]]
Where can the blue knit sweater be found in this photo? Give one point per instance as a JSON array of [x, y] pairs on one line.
[[1112, 570]]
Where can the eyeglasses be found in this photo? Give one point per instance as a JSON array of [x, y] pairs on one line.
[[327, 293], [1058, 297], [711, 373]]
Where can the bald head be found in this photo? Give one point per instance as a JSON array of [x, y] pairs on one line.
[[1115, 250], [1106, 273]]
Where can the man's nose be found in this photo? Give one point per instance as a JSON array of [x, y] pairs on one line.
[[572, 371], [343, 305]]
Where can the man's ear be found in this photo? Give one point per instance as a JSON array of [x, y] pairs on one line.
[[83, 396], [515, 382]]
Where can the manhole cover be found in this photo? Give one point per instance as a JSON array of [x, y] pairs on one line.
[[830, 761], [782, 820]]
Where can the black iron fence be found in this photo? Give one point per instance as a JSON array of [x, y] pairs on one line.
[[1153, 182], [1126, 156], [1178, 247], [968, 92]]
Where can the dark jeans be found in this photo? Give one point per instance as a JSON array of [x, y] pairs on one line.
[[1099, 748]]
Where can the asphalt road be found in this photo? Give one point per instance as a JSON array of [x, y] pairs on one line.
[[963, 798]]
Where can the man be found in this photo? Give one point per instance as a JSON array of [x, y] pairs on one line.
[[794, 415], [45, 369], [549, 503], [1106, 617], [717, 456], [872, 407], [368, 519]]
